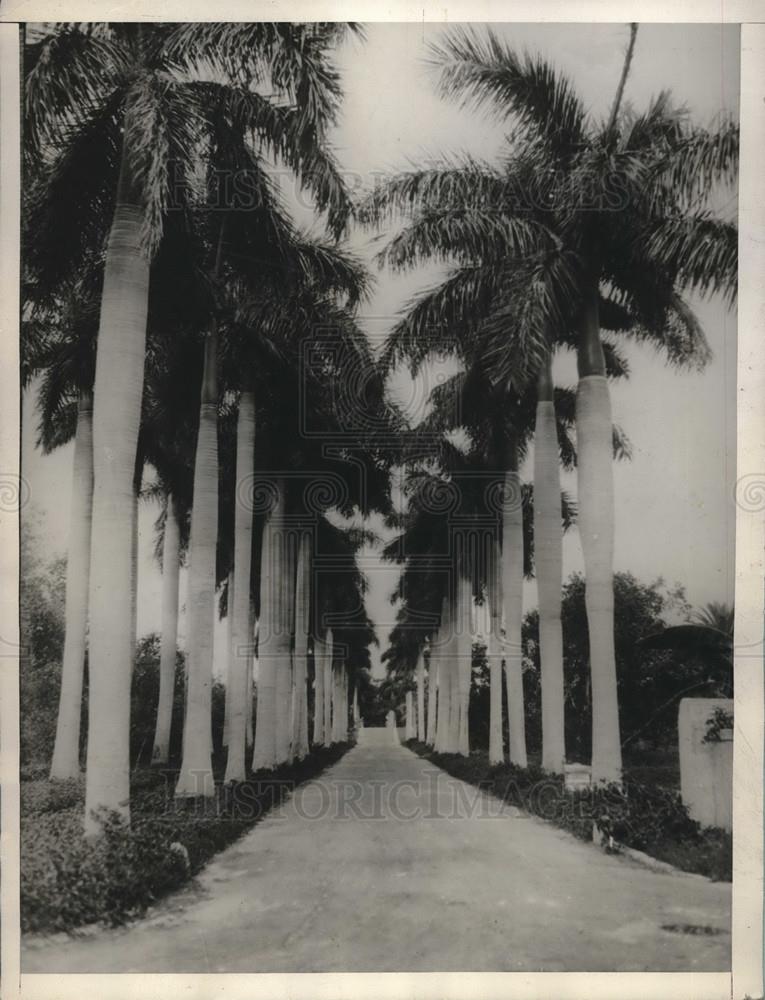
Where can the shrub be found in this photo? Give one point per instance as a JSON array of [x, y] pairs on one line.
[[67, 881], [646, 817]]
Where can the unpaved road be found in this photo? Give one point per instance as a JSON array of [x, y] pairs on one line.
[[387, 864]]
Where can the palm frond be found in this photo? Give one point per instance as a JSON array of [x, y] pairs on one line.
[[454, 183], [701, 250], [72, 71], [519, 334], [437, 321], [699, 160], [290, 57], [68, 210], [478, 68], [466, 236], [285, 134], [162, 132]]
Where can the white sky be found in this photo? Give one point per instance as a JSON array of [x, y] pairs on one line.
[[674, 500]]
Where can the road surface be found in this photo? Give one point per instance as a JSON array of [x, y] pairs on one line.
[[387, 864]]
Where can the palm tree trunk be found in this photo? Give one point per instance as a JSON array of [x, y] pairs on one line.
[[346, 707], [452, 666], [494, 579], [284, 662], [465, 658], [264, 754], [421, 698], [444, 680], [319, 656], [239, 611], [454, 701], [230, 654], [355, 705], [408, 710], [328, 661], [337, 706], [252, 628], [302, 612], [548, 555], [66, 749], [594, 436], [196, 777], [441, 697], [430, 733], [137, 483], [512, 593], [116, 416], [171, 566]]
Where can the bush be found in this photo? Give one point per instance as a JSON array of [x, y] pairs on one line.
[[648, 818], [67, 881]]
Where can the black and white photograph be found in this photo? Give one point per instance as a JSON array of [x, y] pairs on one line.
[[378, 497]]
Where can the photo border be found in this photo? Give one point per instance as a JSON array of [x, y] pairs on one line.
[[747, 922]]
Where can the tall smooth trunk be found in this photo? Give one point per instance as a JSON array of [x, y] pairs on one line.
[[346, 707], [319, 656], [421, 698], [451, 663], [548, 557], [494, 579], [171, 566], [512, 594], [241, 638], [430, 731], [66, 750], [300, 666], [134, 573], [229, 654], [409, 729], [465, 660], [252, 631], [196, 776], [329, 656], [337, 705], [594, 436], [116, 415], [284, 663], [444, 680], [264, 753]]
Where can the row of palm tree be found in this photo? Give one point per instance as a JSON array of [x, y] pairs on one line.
[[542, 259], [157, 247], [198, 295]]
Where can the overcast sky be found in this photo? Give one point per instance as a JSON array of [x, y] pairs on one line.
[[674, 505]]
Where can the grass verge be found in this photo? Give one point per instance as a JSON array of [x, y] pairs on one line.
[[67, 882], [647, 817]]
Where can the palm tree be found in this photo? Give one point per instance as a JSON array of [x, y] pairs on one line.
[[468, 400], [548, 554], [302, 634], [109, 109], [432, 686], [60, 347], [420, 678], [449, 533], [536, 218], [171, 564], [635, 250]]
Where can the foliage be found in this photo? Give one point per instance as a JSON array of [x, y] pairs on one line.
[[648, 818], [719, 721], [650, 682], [41, 599], [67, 881], [41, 606]]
